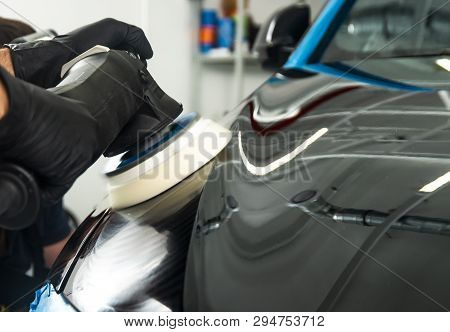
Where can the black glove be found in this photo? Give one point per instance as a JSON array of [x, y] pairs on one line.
[[40, 62], [59, 136]]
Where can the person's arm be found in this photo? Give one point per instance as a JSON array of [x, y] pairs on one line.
[[5, 62], [4, 101], [40, 62], [58, 134], [52, 251]]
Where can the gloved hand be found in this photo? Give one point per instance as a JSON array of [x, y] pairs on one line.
[[58, 137], [40, 62]]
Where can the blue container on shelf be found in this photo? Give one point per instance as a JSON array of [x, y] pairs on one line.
[[209, 17], [225, 34], [208, 30]]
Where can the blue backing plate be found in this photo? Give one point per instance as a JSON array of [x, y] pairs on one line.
[[150, 147]]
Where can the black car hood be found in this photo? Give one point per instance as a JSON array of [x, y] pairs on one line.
[[400, 138], [355, 147]]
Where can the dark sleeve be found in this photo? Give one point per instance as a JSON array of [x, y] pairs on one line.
[[53, 224]]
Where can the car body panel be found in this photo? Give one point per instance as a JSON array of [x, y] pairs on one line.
[[266, 253], [128, 260]]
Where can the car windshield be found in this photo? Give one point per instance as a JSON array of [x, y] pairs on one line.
[[392, 28]]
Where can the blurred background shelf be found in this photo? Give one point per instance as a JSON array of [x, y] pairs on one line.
[[219, 83], [236, 59]]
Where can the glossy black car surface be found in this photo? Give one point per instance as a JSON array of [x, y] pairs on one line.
[[341, 223], [333, 193], [129, 260]]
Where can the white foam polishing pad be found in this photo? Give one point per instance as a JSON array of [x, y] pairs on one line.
[[174, 158]]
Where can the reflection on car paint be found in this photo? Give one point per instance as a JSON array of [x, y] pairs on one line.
[[134, 259], [273, 253]]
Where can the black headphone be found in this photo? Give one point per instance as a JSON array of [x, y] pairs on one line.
[[19, 197]]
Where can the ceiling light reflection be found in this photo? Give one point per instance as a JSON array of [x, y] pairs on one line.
[[436, 184], [444, 63], [263, 170]]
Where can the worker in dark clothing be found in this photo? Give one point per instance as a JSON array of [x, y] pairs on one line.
[[56, 138], [26, 255]]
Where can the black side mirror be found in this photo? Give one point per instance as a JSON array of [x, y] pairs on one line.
[[280, 34]]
